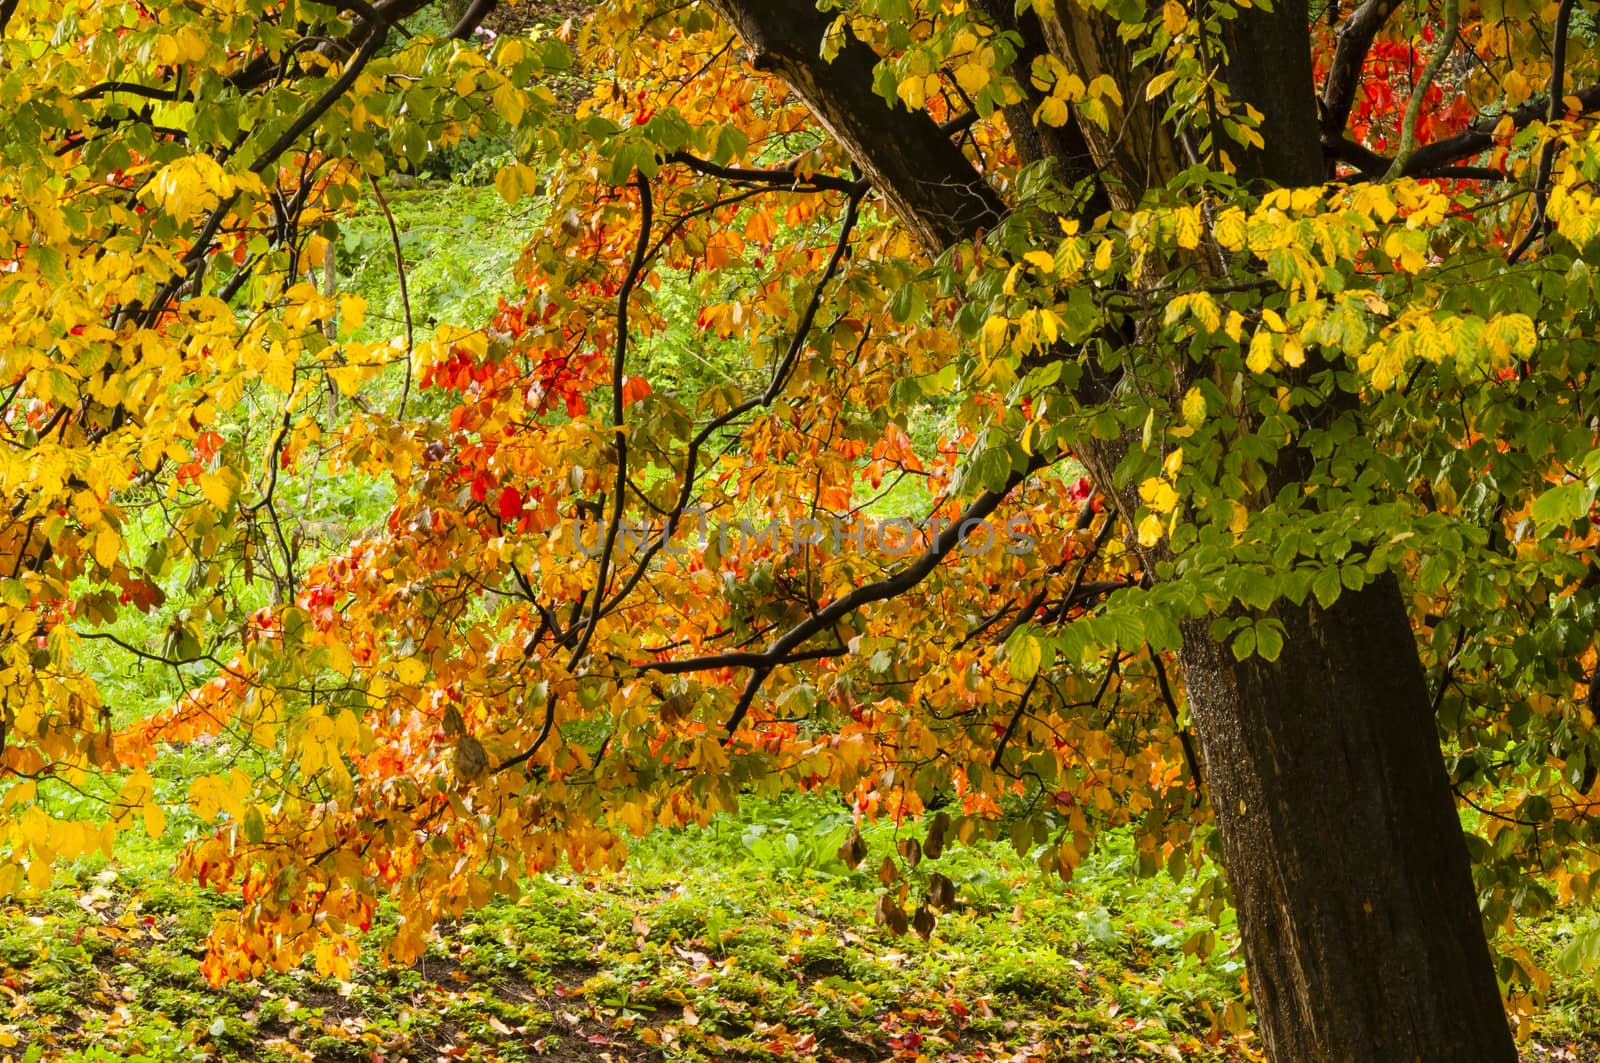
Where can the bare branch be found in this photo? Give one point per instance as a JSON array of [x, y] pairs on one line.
[[405, 294], [1408, 124], [1432, 160], [775, 386], [472, 18]]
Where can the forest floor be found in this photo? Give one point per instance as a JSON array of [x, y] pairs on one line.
[[745, 940]]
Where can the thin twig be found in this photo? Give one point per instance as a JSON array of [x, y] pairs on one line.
[[405, 296], [1184, 738], [619, 426]]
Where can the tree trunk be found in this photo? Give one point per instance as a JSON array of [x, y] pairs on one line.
[[1340, 838]]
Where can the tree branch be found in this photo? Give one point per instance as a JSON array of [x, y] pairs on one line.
[[1434, 159], [1547, 155], [1408, 125], [1184, 738], [775, 386], [780, 650], [785, 177], [405, 293], [1349, 55], [472, 18], [618, 422], [925, 178]]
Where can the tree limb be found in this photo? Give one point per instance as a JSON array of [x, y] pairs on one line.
[[618, 366], [775, 386], [472, 18], [905, 155], [1547, 155], [785, 177], [1349, 55], [780, 650], [1408, 124], [1432, 159]]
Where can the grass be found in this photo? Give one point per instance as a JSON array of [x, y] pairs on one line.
[[748, 939]]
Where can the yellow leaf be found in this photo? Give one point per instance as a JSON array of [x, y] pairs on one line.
[[411, 670], [217, 489], [1187, 223], [909, 91], [1052, 111], [189, 185], [1206, 309], [1041, 259], [106, 546], [352, 311], [1194, 408], [1158, 494], [347, 378], [1234, 326], [1174, 18], [1230, 229], [1160, 83], [993, 338], [1260, 357], [510, 103], [340, 659], [1105, 85], [1102, 256], [972, 77], [155, 820], [1151, 529], [506, 183], [347, 729]]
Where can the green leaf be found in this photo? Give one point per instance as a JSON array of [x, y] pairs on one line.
[[1564, 504], [908, 303], [1269, 639], [253, 827], [1582, 954], [1024, 654], [1327, 586]]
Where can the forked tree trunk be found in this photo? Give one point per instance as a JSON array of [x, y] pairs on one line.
[[1340, 838]]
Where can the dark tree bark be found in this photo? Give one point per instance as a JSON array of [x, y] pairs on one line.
[[1341, 842], [1340, 838]]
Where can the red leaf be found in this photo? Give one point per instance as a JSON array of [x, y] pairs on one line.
[[634, 388]]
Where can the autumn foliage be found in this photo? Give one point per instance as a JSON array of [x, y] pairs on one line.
[[605, 602]]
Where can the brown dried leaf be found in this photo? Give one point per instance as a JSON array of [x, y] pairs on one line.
[[854, 850]]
